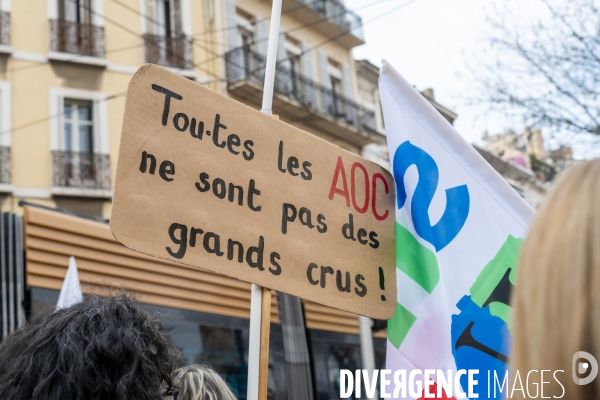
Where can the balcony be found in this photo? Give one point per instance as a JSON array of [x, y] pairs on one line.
[[86, 40], [5, 46], [166, 51], [5, 169], [329, 17], [297, 97], [80, 174]]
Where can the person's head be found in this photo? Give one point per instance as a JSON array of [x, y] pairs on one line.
[[101, 348], [556, 302], [199, 382]]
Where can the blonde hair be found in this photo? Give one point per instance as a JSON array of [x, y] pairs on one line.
[[200, 382], [556, 302]]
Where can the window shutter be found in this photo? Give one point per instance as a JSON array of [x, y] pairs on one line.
[[85, 11], [347, 78], [96, 126], [281, 52], [326, 98], [209, 12], [349, 93], [61, 123], [233, 36], [306, 58], [323, 70], [150, 16], [62, 12], [262, 43], [283, 77]]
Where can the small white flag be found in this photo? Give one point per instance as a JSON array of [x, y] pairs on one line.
[[70, 293]]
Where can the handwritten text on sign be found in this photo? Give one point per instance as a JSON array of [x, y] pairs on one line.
[[209, 182]]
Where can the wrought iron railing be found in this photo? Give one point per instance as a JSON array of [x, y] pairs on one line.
[[4, 28], [337, 13], [169, 51], [246, 65], [4, 164], [80, 170], [76, 38]]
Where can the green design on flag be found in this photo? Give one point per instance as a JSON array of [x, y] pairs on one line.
[[492, 286], [399, 325], [416, 260]]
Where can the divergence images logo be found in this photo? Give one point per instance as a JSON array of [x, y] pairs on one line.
[[582, 361]]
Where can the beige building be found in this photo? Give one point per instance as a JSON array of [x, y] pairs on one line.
[[562, 158], [65, 67], [368, 88], [523, 180], [518, 148], [528, 150], [64, 70]]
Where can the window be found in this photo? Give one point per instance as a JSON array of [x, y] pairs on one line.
[[245, 29], [293, 51], [167, 41], [166, 18], [335, 75], [75, 11], [77, 27], [79, 142], [78, 129], [225, 349]]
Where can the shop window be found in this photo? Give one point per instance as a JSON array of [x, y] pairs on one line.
[[225, 350]]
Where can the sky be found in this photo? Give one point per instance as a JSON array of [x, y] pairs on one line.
[[430, 41]]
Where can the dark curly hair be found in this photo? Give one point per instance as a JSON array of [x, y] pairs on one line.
[[101, 348]]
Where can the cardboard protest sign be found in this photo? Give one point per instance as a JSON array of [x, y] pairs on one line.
[[209, 182]]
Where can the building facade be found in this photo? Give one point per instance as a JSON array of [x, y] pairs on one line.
[[368, 86], [64, 70], [527, 152]]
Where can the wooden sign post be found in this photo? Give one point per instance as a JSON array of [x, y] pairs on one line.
[[261, 311], [209, 182], [260, 307]]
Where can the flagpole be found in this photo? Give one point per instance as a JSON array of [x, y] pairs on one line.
[[257, 299], [267, 101]]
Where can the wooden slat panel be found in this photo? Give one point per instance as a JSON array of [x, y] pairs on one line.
[[382, 334], [330, 319], [51, 238], [324, 326]]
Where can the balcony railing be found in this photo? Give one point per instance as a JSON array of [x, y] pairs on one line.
[[337, 13], [175, 52], [80, 170], [76, 38], [4, 28], [245, 65], [4, 164]]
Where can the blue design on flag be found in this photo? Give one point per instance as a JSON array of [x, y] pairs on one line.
[[480, 341], [457, 198]]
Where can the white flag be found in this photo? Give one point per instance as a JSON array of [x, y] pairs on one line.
[[70, 293], [459, 229]]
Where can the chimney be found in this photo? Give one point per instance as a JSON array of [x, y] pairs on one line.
[[429, 93]]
